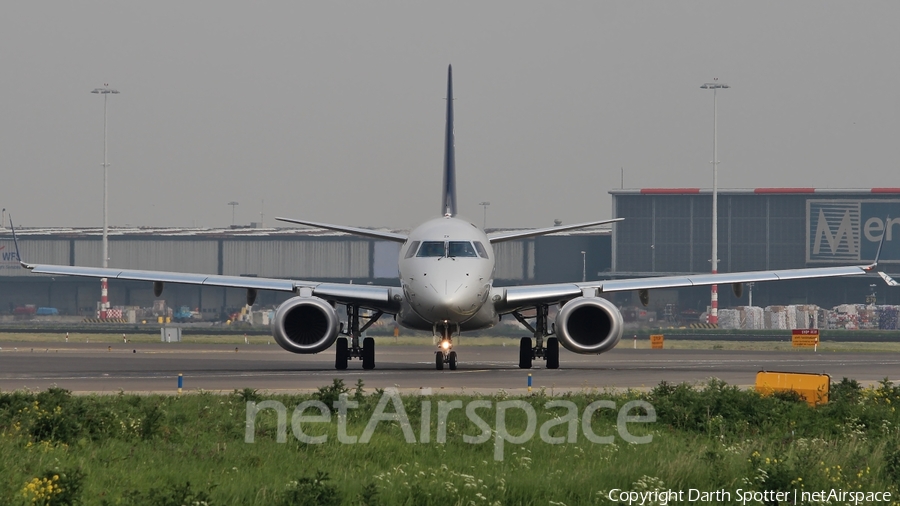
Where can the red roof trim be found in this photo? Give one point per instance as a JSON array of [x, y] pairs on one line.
[[784, 190], [668, 191], [885, 190]]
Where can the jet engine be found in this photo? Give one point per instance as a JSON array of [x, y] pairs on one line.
[[589, 325], [305, 325]]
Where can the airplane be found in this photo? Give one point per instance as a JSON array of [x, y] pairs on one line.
[[446, 268]]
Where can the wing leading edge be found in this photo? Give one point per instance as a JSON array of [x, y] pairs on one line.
[[547, 231], [516, 297], [374, 297], [364, 232], [520, 296]]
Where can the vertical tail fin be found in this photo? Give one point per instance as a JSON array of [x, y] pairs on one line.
[[448, 205]]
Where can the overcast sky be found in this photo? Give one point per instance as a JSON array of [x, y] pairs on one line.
[[334, 111]]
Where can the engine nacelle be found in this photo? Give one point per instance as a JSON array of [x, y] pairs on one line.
[[305, 325], [589, 325]]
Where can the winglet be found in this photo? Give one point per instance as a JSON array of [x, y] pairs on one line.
[[448, 204], [874, 263], [16, 242]]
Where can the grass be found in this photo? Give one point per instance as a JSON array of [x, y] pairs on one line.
[[154, 450]]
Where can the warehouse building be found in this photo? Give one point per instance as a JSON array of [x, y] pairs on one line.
[[669, 231]]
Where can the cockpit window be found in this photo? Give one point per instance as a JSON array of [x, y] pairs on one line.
[[431, 249], [412, 249], [481, 251], [462, 249]]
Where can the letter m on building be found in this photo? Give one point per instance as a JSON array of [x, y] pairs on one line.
[[833, 231]]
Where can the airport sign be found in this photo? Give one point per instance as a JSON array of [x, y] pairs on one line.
[[846, 231]]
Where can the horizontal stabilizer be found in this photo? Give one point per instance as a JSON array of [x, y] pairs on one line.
[[548, 230], [365, 232]]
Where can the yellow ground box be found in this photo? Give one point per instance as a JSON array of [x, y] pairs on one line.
[[656, 341], [814, 388]]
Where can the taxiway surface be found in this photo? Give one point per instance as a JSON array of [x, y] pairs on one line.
[[155, 367]]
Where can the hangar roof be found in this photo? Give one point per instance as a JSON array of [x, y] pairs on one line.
[[750, 191]]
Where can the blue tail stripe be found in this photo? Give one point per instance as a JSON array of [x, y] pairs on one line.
[[448, 206]]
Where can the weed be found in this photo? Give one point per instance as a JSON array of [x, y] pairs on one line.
[[892, 465], [369, 495], [331, 393], [359, 393], [171, 495], [311, 492], [152, 423], [55, 488], [248, 395]]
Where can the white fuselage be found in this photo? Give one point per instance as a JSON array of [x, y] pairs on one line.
[[446, 272]]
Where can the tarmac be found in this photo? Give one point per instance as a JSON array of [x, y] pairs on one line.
[[154, 368]]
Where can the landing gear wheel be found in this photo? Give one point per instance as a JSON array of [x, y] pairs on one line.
[[439, 360], [525, 353], [552, 353], [341, 354], [452, 360], [368, 353]]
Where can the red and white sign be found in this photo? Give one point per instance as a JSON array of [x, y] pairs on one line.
[[804, 337]]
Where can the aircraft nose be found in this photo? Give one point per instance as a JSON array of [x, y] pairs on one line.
[[446, 299]]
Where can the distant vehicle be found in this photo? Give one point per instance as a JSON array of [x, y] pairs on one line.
[[25, 310], [47, 311], [184, 314]]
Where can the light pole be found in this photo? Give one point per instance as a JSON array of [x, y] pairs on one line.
[[104, 301], [232, 204], [714, 295], [583, 266], [484, 204]]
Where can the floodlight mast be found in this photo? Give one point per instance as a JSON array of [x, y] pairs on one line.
[[484, 204], [104, 300], [713, 317]]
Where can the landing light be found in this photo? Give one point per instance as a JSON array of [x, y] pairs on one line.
[[445, 345]]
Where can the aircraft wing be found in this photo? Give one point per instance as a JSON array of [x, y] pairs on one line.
[[382, 298], [369, 296], [364, 232], [547, 231], [516, 297]]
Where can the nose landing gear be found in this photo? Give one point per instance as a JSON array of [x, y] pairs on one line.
[[445, 355]]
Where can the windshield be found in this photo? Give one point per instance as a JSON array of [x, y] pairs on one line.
[[431, 249], [462, 249]]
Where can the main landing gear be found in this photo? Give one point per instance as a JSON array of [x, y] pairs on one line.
[[348, 347], [445, 355], [548, 350]]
